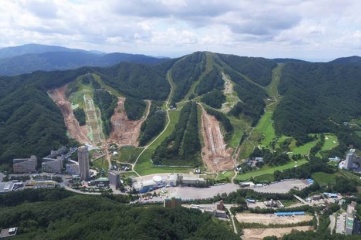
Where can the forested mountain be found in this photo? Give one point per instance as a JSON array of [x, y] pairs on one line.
[[354, 60], [8, 52], [317, 97], [30, 58], [312, 98], [58, 214]]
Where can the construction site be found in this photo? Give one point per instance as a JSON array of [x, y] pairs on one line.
[[215, 154]]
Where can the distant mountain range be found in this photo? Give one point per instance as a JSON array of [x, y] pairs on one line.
[[32, 57]]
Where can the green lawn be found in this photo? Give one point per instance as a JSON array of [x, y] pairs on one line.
[[324, 179], [304, 149], [174, 116], [269, 170], [145, 166], [225, 175], [265, 178], [331, 142], [128, 154], [101, 164], [265, 129]]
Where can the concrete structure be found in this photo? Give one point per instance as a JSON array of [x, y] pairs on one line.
[[114, 178], [146, 185], [72, 168], [25, 165], [350, 218], [281, 214], [352, 160], [172, 202], [274, 204], [192, 180], [100, 182], [220, 206], [52, 165], [172, 180], [83, 160]]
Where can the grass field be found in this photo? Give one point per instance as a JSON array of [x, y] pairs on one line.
[[128, 154], [225, 176], [101, 164], [269, 170], [265, 129], [324, 179], [331, 142], [265, 178], [145, 166], [330, 178]]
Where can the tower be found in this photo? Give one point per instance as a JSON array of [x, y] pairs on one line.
[[83, 159]]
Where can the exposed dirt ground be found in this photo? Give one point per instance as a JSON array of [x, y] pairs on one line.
[[267, 219], [260, 233], [214, 154], [76, 131], [125, 132]]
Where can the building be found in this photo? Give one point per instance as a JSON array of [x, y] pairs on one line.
[[25, 165], [350, 218], [72, 168], [172, 180], [144, 186], [193, 181], [172, 202], [100, 182], [114, 178], [351, 160], [52, 165], [220, 206], [83, 160]]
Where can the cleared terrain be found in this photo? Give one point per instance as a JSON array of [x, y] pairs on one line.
[[260, 233], [215, 154]]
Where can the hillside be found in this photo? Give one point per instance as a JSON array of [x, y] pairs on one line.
[[58, 214], [203, 109], [32, 57]]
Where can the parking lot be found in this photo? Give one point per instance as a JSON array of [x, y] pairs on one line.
[[282, 186], [191, 193]]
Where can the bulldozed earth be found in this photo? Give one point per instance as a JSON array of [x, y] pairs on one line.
[[75, 131], [215, 154], [124, 131]]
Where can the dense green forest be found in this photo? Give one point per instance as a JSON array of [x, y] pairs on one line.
[[314, 98], [258, 70], [106, 103], [183, 146], [137, 80], [214, 99], [80, 116], [134, 108], [211, 81], [154, 124], [252, 97], [57, 214], [186, 71]]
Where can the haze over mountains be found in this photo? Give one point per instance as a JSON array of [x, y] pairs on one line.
[[32, 57]]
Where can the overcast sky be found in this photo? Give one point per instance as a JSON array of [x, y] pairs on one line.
[[305, 29]]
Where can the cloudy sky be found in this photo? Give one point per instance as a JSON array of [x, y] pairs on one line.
[[305, 29]]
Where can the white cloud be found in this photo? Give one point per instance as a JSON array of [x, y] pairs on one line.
[[270, 28]]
